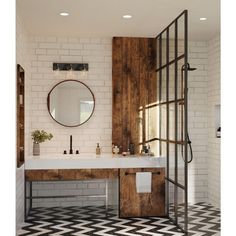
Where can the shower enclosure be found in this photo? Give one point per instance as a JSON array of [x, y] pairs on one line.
[[171, 110]]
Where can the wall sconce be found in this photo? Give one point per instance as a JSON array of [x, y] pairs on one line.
[[70, 66]]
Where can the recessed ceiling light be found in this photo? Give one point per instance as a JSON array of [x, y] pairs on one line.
[[127, 16], [64, 14], [203, 18]]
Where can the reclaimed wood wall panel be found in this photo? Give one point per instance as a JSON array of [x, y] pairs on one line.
[[133, 70], [133, 204], [117, 73], [125, 95]]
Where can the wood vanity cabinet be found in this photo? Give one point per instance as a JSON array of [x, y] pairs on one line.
[[70, 174], [133, 204]]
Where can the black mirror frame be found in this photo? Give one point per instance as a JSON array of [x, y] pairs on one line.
[[48, 102]]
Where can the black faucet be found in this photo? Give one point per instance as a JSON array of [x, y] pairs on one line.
[[71, 150]]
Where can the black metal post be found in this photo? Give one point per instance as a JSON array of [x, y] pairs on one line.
[[160, 86], [186, 119], [167, 119], [30, 207], [176, 124]]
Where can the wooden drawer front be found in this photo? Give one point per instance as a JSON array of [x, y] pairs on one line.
[[133, 204], [70, 174], [85, 174], [41, 175]]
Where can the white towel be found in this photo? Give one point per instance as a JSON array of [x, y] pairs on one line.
[[144, 182]]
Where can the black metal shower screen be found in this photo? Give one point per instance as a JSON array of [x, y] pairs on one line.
[[172, 119]]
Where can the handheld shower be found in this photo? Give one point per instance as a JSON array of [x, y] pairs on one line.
[[189, 68]]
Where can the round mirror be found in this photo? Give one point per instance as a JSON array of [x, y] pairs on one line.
[[71, 103]]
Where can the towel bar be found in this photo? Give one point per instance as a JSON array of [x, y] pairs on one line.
[[154, 173]]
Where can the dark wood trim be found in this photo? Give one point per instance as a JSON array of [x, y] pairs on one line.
[[20, 117]]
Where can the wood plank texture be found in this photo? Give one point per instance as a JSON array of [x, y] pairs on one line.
[[133, 204], [117, 74], [133, 87], [70, 174]]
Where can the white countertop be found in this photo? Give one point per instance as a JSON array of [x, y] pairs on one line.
[[91, 161]]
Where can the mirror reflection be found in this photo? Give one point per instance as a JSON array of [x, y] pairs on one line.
[[71, 103]]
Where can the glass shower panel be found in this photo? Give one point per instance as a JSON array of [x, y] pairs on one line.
[[163, 121], [171, 82], [180, 89], [163, 86], [181, 165], [158, 52], [158, 87], [153, 126], [171, 42], [172, 121], [181, 207], [140, 124], [171, 135], [181, 121], [172, 161], [181, 35], [171, 200], [154, 146], [163, 149], [163, 47]]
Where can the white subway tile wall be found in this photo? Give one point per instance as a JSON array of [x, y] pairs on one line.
[[97, 52], [197, 121], [213, 150]]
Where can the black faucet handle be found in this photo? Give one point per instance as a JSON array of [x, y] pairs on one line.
[[71, 150], [77, 152], [65, 152]]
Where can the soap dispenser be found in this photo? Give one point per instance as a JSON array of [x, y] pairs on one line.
[[98, 149]]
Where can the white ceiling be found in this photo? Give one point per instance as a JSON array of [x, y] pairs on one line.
[[103, 18]]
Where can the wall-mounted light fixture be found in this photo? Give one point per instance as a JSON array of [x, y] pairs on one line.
[[70, 66]]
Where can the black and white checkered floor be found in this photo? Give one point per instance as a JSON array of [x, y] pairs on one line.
[[204, 220]]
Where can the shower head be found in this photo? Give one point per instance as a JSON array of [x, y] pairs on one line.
[[188, 67], [191, 69]]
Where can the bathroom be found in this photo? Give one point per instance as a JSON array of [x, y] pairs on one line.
[[44, 37]]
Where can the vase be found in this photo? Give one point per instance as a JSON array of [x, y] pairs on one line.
[[36, 149]]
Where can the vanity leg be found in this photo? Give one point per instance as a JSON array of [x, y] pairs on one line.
[[25, 201], [106, 197], [30, 207]]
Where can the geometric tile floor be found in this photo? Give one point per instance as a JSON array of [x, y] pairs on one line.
[[204, 220]]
